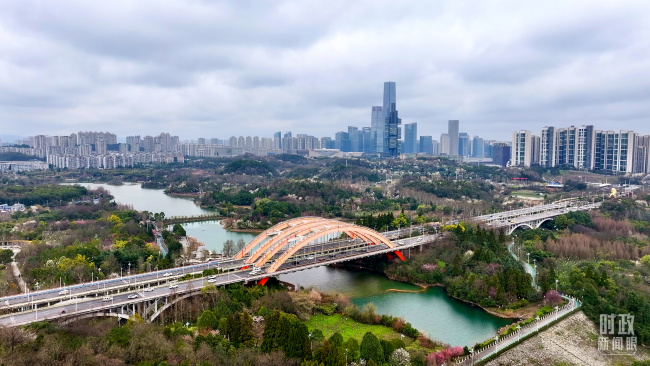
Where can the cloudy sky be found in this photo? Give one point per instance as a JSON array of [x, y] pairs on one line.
[[219, 68]]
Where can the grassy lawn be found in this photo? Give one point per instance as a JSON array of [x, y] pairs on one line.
[[350, 328], [526, 193]]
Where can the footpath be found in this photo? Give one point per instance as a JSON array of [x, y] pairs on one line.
[[524, 332]]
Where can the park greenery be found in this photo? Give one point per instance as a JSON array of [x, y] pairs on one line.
[[77, 235], [234, 325]]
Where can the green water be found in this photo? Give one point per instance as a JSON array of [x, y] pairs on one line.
[[430, 311], [211, 233]]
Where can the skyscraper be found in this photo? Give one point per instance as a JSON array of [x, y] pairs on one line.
[[366, 144], [478, 147], [547, 148], [501, 153], [523, 148], [392, 131], [277, 140], [452, 131], [426, 145], [410, 138], [353, 135], [377, 128], [444, 144], [614, 151], [463, 144]]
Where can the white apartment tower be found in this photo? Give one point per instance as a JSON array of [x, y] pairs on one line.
[[522, 148]]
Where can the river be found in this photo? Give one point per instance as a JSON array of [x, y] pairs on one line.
[[431, 310]]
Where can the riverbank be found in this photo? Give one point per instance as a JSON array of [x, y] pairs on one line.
[[519, 314]]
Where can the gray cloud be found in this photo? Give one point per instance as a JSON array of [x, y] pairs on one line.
[[215, 69]]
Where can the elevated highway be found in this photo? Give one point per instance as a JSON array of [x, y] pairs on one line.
[[149, 294], [290, 246], [533, 217]]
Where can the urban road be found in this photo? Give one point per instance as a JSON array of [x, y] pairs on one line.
[[75, 300]]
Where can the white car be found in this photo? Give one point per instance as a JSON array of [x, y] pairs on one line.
[[212, 280], [148, 289], [173, 285], [133, 296], [419, 239], [212, 277], [63, 292], [401, 242], [167, 274]]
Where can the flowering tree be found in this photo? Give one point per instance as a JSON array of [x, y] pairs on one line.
[[552, 298], [400, 358]]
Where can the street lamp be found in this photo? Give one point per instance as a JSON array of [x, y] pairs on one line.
[[556, 281], [496, 343], [129, 268], [518, 334], [528, 254], [471, 354], [557, 310], [537, 319]]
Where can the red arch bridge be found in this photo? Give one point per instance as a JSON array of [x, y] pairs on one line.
[[290, 246]]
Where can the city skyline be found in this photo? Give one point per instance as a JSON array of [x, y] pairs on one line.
[[284, 66]]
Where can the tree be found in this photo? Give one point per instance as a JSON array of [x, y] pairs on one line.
[[208, 320], [234, 329], [646, 260], [228, 248], [246, 336], [552, 298], [179, 230], [371, 348], [270, 329], [400, 357], [240, 245]]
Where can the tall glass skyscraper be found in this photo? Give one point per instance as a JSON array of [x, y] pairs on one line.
[[463, 144], [392, 131], [377, 128], [410, 138], [452, 131]]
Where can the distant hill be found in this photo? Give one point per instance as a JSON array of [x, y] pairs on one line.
[[15, 156], [10, 138]]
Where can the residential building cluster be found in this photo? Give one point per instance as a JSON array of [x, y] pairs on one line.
[[583, 148]]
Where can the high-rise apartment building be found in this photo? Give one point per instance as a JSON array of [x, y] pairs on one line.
[[614, 151], [452, 132], [547, 147], [641, 154], [410, 138], [522, 148]]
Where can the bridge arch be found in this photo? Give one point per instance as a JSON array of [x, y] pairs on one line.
[[271, 231], [540, 222], [287, 238], [173, 301], [75, 318], [523, 224]]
